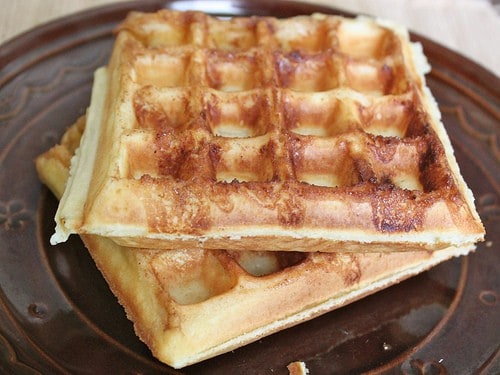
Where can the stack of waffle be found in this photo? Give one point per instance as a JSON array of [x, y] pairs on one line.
[[253, 173]]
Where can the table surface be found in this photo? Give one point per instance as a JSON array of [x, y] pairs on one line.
[[470, 27]]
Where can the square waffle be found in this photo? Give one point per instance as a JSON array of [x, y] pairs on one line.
[[312, 133], [190, 305]]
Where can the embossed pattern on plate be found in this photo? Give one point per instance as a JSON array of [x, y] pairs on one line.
[[57, 314]]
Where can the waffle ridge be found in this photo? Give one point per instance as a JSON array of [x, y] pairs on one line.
[[219, 125]]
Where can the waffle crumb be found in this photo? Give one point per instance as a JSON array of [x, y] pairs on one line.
[[297, 368]]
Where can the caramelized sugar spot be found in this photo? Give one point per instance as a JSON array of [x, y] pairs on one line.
[[165, 65], [324, 162], [232, 71], [373, 78], [163, 108], [249, 159], [434, 171], [307, 72], [396, 162], [388, 116], [237, 115]]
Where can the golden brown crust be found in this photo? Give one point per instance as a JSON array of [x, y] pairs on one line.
[[294, 132]]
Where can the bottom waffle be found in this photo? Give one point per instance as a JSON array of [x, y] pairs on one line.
[[179, 300]]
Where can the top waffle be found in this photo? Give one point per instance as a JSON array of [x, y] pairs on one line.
[[308, 133]]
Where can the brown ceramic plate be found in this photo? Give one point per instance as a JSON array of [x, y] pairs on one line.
[[58, 316]]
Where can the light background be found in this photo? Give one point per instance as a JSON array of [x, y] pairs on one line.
[[470, 27]]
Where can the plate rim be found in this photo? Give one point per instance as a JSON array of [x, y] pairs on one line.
[[19, 42]]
